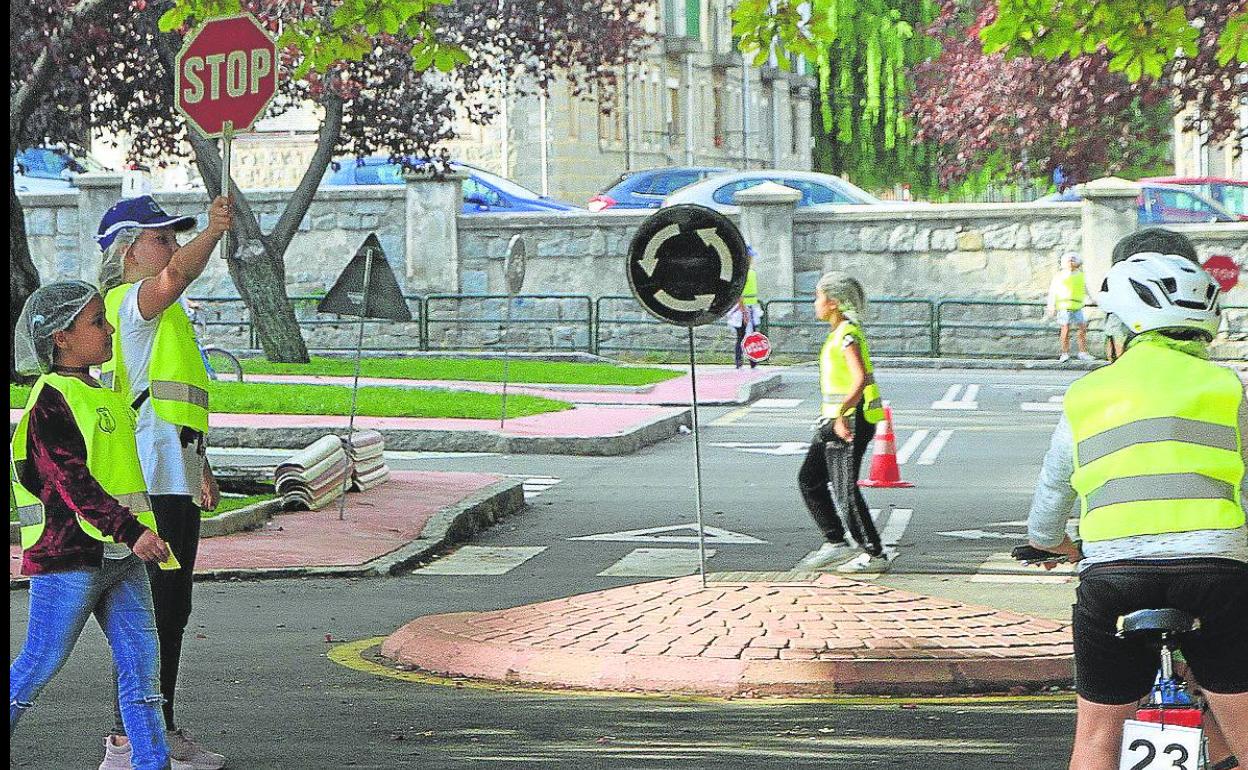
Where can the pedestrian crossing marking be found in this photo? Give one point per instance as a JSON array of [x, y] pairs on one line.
[[1002, 568], [534, 486], [481, 560], [1054, 404], [777, 403], [912, 443], [657, 562], [934, 448], [714, 535], [779, 448], [956, 398]]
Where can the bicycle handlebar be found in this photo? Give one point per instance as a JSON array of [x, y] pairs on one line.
[[1031, 555]]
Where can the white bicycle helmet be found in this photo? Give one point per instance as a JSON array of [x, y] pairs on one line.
[[1149, 291]]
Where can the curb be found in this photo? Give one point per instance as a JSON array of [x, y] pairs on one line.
[[250, 517], [453, 524], [1025, 364], [651, 432]]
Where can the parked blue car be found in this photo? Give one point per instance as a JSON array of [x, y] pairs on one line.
[[483, 191], [48, 170], [1162, 204], [647, 189]]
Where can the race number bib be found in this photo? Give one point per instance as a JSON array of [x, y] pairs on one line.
[[1149, 746]]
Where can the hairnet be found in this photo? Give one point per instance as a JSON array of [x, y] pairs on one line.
[[50, 309], [1072, 257], [113, 263], [847, 292]]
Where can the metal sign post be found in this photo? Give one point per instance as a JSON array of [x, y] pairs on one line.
[[355, 385], [513, 274], [687, 266], [227, 138]]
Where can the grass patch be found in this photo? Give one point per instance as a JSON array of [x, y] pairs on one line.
[[473, 370], [277, 398], [234, 502]]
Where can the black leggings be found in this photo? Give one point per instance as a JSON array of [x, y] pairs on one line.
[[819, 471], [177, 519]]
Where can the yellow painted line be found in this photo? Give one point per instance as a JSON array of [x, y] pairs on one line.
[[351, 655], [731, 417]]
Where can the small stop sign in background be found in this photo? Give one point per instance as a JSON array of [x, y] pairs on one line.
[[756, 347], [1224, 271], [226, 73]]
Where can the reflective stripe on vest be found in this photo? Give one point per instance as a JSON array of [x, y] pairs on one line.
[[1070, 291], [749, 295], [835, 379], [176, 373], [106, 423], [1157, 445]]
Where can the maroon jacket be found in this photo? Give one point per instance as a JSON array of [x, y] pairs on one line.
[[56, 472]]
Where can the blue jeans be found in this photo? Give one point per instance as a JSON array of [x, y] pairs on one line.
[[119, 596]]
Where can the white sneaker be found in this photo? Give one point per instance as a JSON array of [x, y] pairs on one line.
[[1063, 358], [119, 757], [828, 553], [865, 562], [183, 748], [1085, 356]]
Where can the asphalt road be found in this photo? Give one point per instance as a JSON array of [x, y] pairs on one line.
[[259, 683]]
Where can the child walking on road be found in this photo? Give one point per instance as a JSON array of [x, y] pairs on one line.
[[828, 479], [86, 521], [1068, 295]]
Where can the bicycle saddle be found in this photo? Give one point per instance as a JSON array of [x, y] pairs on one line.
[[1163, 621]]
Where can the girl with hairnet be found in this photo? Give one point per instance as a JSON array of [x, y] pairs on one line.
[[851, 407], [1068, 296], [86, 521]]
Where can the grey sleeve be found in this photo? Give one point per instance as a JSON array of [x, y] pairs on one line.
[[1055, 497], [1243, 449]]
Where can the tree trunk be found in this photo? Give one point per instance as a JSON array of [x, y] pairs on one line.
[[23, 277]]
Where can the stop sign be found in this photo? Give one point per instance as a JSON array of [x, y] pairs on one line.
[[756, 347], [1224, 271], [226, 74]]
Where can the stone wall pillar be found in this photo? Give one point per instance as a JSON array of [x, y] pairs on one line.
[[432, 236], [767, 224], [96, 194], [1110, 211]]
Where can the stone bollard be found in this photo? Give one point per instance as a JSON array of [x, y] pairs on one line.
[[1110, 211], [96, 194], [432, 233], [767, 224]]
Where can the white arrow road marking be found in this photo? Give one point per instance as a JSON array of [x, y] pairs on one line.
[[767, 447], [952, 400], [663, 535], [650, 258], [711, 238], [698, 303], [912, 443], [1054, 404], [657, 562], [933, 449], [978, 534]]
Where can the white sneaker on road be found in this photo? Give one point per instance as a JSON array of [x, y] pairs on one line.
[[1063, 358], [119, 757], [1085, 356], [865, 562], [828, 553]]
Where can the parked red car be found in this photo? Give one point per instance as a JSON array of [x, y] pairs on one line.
[[1231, 193]]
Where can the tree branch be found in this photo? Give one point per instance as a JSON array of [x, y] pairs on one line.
[[301, 199]]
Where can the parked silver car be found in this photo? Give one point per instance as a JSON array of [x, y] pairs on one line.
[[818, 190]]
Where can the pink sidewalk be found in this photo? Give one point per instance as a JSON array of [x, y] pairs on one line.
[[377, 523], [715, 386]]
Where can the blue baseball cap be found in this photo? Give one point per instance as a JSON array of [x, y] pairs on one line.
[[142, 212]]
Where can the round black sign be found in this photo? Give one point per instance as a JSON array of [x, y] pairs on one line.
[[687, 265]]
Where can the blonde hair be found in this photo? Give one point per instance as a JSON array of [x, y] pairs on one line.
[[113, 263], [847, 292]]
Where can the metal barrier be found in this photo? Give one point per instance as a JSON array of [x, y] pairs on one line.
[[897, 326], [480, 315]]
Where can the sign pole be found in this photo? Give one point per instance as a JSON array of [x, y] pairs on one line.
[[227, 138], [502, 424], [355, 387], [697, 460]]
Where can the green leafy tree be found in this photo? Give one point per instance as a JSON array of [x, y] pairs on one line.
[[861, 51]]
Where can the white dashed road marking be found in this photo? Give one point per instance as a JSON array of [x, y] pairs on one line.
[[952, 399], [934, 448], [481, 560], [656, 562]]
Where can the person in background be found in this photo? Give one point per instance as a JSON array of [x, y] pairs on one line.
[[1068, 295], [1150, 240], [852, 405], [157, 366], [86, 521], [745, 316]]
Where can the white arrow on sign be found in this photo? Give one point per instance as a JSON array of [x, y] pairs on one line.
[[664, 535], [699, 303], [978, 534], [650, 259], [710, 236]]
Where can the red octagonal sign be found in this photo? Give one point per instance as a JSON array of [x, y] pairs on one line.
[[226, 74], [1224, 271]]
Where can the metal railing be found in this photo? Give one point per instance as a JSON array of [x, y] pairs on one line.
[[897, 326]]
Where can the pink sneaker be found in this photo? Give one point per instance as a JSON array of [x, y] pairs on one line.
[[119, 757]]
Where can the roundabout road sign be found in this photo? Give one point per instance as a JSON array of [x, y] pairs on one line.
[[687, 265]]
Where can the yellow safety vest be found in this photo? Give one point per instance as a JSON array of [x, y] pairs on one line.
[[749, 295], [1071, 290], [178, 381], [835, 379], [106, 422], [1157, 445]]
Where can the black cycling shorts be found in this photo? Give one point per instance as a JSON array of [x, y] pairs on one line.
[[1113, 671]]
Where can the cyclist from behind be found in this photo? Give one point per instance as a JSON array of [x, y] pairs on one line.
[[1152, 449]]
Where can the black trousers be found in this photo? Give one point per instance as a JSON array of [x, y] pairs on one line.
[[177, 519], [737, 353], [829, 463]]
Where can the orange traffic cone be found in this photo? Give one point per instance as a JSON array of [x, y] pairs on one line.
[[884, 470]]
